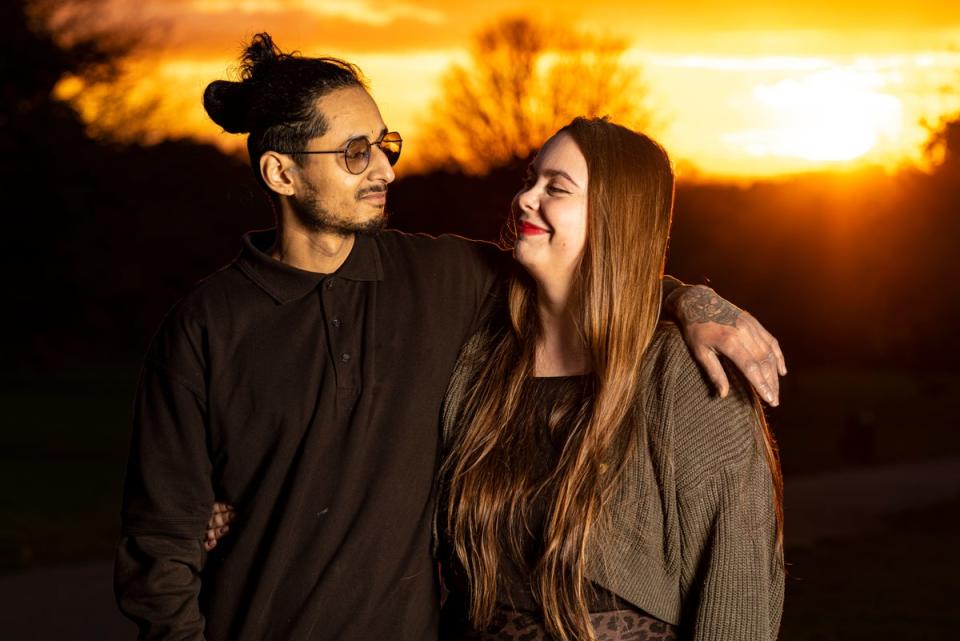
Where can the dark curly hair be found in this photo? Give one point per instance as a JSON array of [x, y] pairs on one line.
[[274, 101]]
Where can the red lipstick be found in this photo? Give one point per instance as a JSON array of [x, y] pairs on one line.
[[529, 229]]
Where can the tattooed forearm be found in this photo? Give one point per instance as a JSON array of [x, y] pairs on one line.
[[701, 304]]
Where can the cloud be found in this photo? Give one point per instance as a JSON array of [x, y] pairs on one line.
[[738, 63], [360, 11], [342, 27], [751, 27]]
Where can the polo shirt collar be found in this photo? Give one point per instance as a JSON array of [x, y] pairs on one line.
[[285, 283]]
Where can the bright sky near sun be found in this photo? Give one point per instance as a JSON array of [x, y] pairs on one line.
[[740, 88]]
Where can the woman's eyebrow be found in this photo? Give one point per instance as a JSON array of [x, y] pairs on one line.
[[550, 173]]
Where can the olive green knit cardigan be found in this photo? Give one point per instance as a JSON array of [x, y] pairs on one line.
[[693, 527]]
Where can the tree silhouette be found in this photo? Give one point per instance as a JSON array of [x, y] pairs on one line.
[[526, 79], [45, 154], [943, 145], [95, 221], [70, 57]]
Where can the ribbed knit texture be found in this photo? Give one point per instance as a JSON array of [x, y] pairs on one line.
[[690, 536]]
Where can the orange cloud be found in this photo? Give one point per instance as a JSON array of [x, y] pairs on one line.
[[723, 76], [212, 27], [362, 11]]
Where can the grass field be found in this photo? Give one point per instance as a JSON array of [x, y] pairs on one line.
[[64, 450], [899, 582], [61, 468]]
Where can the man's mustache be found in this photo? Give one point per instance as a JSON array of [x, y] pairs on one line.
[[371, 190]]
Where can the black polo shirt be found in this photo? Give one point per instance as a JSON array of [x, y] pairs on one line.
[[311, 403]]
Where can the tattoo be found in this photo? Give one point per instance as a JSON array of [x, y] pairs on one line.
[[701, 304]]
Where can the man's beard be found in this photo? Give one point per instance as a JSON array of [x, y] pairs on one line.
[[315, 218]]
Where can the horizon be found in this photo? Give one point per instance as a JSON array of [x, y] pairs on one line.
[[739, 91]]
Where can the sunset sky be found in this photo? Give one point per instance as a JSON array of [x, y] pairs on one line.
[[740, 88]]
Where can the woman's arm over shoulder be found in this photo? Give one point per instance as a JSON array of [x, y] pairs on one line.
[[732, 570]]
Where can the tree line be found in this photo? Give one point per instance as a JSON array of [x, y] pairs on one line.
[[103, 236]]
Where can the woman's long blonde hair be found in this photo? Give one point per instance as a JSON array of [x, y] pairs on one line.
[[617, 284]]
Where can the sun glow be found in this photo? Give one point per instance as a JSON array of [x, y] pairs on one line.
[[775, 95], [830, 116], [734, 116]]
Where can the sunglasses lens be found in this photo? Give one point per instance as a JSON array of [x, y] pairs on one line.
[[357, 155], [357, 152], [391, 145]]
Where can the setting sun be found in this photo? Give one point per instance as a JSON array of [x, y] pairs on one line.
[[740, 92], [833, 115]]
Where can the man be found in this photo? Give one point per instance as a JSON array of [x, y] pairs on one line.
[[302, 383]]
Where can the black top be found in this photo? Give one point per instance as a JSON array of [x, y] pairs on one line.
[[311, 403], [539, 397]]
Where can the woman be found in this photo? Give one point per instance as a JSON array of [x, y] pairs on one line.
[[593, 486]]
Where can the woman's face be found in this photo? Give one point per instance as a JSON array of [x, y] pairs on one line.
[[551, 212]]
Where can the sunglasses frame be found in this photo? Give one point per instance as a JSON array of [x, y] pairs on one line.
[[392, 158]]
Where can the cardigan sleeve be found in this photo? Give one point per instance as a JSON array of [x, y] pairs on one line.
[[732, 574]]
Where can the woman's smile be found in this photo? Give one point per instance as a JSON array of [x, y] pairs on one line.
[[529, 229]]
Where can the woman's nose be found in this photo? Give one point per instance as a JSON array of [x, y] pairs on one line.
[[527, 199]]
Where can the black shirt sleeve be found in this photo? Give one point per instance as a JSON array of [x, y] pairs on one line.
[[168, 492], [487, 267]]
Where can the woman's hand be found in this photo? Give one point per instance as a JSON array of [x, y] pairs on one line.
[[712, 325], [218, 525]]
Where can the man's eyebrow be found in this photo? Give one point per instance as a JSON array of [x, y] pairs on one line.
[[550, 173], [383, 132]]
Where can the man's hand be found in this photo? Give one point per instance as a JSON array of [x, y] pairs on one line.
[[712, 325], [218, 525]]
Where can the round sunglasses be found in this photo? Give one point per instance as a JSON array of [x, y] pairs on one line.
[[356, 153]]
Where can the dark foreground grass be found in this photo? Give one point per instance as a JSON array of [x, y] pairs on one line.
[[835, 418], [61, 472], [900, 582], [64, 451]]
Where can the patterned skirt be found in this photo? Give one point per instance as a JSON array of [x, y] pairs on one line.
[[613, 625]]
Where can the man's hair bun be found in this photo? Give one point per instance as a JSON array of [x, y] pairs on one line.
[[261, 52], [228, 104]]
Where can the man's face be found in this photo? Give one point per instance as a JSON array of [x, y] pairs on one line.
[[328, 197]]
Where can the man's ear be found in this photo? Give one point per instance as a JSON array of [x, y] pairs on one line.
[[278, 172]]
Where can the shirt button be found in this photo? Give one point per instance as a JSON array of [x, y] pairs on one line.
[[335, 322], [329, 283], [344, 357]]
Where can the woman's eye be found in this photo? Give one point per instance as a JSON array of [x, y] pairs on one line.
[[554, 189]]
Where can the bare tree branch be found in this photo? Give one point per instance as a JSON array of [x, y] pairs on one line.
[[524, 81]]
